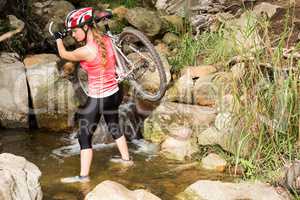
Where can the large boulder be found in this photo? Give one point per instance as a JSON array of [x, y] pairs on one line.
[[181, 91], [13, 92], [109, 190], [144, 20], [212, 190], [169, 115], [213, 162], [177, 149], [52, 96], [230, 140], [46, 11], [172, 6], [243, 33], [195, 86], [19, 179]]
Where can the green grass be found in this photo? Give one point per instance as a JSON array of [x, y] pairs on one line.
[[126, 3]]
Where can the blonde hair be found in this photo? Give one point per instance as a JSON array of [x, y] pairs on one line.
[[97, 34]]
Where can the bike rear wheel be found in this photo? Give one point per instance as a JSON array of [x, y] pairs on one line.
[[142, 62]]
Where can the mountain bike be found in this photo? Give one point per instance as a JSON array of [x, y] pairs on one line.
[[136, 60]]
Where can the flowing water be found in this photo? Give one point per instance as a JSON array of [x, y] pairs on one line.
[[56, 155]]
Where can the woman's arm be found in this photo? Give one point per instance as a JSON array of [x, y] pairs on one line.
[[79, 54]]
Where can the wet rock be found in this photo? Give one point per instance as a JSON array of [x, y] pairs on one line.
[[144, 20], [109, 190], [19, 178], [52, 96], [13, 92], [212, 190], [169, 115], [174, 148], [213, 162]]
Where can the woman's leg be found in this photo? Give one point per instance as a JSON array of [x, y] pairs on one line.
[[111, 117], [88, 121], [122, 146]]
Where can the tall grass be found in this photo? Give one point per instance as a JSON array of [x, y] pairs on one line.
[[266, 96]]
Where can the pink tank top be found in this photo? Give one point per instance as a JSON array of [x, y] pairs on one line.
[[101, 76]]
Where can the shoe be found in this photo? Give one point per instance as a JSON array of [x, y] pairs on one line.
[[75, 179], [118, 159]]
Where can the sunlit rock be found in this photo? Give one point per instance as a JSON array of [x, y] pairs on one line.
[[19, 179]]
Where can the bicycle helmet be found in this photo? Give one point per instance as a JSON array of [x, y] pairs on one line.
[[79, 17]]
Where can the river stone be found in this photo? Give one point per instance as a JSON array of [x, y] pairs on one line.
[[224, 121], [213, 162], [109, 190], [13, 92], [171, 39], [181, 91], [226, 103], [212, 190], [175, 22], [45, 11], [144, 20], [169, 115], [205, 92], [52, 96], [176, 149], [230, 140], [237, 34], [199, 71], [19, 179], [120, 12], [172, 6]]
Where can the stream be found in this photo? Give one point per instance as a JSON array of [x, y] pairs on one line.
[[56, 155]]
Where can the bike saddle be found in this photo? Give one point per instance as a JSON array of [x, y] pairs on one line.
[[101, 15]]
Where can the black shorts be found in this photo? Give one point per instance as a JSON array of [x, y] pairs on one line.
[[89, 117]]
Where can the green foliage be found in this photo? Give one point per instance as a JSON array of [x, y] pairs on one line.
[[126, 3]]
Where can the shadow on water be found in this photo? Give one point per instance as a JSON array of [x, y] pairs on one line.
[[42, 149]]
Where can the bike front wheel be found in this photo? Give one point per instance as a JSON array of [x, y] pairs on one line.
[[143, 65]]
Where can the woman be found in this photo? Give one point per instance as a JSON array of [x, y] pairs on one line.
[[96, 56]]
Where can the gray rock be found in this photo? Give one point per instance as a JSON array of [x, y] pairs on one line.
[[52, 96], [172, 6], [169, 115], [13, 92], [230, 140], [144, 20], [181, 91], [177, 149], [109, 190], [213, 162], [19, 179], [212, 190]]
